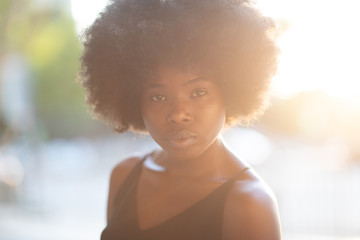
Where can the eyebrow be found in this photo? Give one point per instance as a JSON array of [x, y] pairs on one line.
[[189, 82]]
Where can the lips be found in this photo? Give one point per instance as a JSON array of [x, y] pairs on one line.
[[181, 139]]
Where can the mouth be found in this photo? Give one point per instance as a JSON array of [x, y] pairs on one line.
[[181, 139]]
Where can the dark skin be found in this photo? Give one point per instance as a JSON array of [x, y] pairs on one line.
[[184, 113]]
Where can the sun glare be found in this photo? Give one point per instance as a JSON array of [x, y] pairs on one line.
[[320, 49]]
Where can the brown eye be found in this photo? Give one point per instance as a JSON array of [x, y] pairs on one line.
[[158, 98], [198, 93]]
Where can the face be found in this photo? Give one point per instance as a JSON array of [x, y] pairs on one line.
[[184, 113]]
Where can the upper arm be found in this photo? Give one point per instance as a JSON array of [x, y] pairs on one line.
[[251, 213], [117, 177]]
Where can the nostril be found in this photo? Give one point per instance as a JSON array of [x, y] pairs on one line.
[[179, 111], [180, 116]]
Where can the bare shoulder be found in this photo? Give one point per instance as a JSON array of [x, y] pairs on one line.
[[123, 168], [117, 177], [251, 210]]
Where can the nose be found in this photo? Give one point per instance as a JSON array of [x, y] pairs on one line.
[[180, 112]]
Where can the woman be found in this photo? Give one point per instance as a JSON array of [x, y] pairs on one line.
[[182, 70]]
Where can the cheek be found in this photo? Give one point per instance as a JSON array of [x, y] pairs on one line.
[[151, 117], [212, 113]]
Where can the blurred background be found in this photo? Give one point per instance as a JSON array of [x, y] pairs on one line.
[[55, 161]]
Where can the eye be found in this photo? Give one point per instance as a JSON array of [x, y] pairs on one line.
[[158, 98], [198, 92]]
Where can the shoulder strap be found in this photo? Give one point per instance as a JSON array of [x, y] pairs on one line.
[[239, 174], [129, 181]]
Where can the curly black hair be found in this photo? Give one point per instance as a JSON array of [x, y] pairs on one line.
[[228, 41]]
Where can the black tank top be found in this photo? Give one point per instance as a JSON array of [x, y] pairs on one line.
[[201, 221]]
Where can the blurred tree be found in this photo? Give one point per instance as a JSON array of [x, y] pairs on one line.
[[315, 116], [46, 38]]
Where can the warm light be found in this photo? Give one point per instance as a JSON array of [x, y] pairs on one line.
[[320, 50]]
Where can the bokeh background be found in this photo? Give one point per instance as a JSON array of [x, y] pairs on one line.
[[55, 160]]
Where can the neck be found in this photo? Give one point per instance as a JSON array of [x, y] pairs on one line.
[[207, 163]]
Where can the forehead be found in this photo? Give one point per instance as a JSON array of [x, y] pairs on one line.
[[170, 76]]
